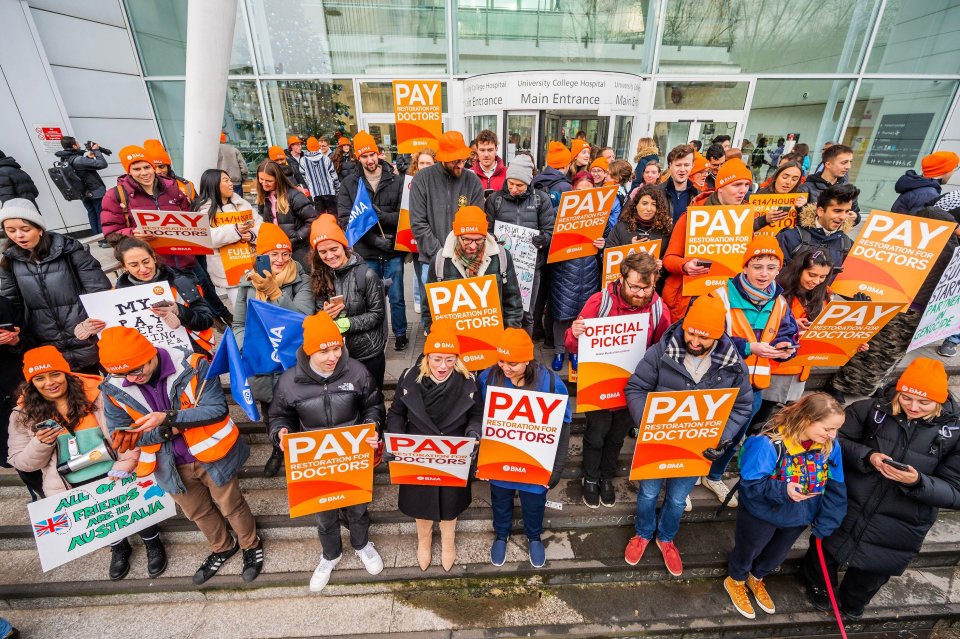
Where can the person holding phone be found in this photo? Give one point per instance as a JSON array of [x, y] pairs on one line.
[[784, 180], [791, 477], [901, 463]]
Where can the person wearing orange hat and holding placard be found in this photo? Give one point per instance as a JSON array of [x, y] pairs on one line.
[[901, 463], [160, 401], [695, 354], [517, 367], [163, 165], [917, 191], [437, 397], [322, 178], [552, 178], [231, 161], [327, 389]]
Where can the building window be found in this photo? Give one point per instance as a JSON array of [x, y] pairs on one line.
[[917, 37], [709, 96], [309, 107]]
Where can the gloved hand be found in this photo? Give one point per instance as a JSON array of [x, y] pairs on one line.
[[265, 284], [540, 241], [383, 242], [554, 479], [125, 440], [713, 454], [343, 324], [862, 297]]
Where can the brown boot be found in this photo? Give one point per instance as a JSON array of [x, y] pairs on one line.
[[424, 542], [448, 544]]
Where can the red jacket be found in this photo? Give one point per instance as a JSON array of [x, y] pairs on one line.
[[496, 180], [618, 307]]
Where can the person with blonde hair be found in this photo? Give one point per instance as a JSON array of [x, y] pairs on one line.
[[647, 151]]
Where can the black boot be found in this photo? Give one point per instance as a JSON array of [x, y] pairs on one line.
[[156, 556], [120, 560], [274, 463]]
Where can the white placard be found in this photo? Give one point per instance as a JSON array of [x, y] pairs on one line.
[[131, 307], [941, 318], [518, 241]]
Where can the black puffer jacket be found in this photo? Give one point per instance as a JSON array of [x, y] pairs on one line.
[[86, 168], [14, 181], [303, 400], [295, 222], [364, 306], [47, 293], [532, 210], [886, 521], [378, 242]]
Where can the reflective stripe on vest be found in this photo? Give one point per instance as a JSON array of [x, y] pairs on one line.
[[788, 368], [739, 326]]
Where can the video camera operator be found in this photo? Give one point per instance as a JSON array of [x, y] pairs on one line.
[[86, 161]]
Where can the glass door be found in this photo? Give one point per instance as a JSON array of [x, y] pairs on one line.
[[521, 135], [383, 129], [708, 130], [673, 128]]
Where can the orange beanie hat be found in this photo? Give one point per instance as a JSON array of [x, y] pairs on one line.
[[156, 152], [44, 359], [271, 237], [706, 317], [124, 349], [733, 170], [558, 156], [325, 227], [343, 141], [763, 245], [130, 155], [470, 219], [313, 144], [600, 163], [940, 163], [363, 143], [515, 346], [442, 339], [223, 137], [276, 153], [293, 139], [925, 377], [576, 146], [699, 164], [320, 332]]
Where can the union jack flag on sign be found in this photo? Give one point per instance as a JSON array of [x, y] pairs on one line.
[[52, 525]]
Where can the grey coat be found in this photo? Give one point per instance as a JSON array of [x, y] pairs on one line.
[[435, 197]]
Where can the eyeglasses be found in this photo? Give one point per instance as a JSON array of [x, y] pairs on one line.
[[638, 288], [135, 372], [477, 242]]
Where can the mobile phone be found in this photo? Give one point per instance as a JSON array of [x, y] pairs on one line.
[[336, 299], [788, 347], [812, 492], [128, 427], [44, 425], [6, 327], [262, 265], [896, 464], [704, 263], [161, 304]]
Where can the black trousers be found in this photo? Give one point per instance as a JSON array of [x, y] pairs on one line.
[[759, 547], [377, 366], [858, 586], [328, 525], [602, 441]]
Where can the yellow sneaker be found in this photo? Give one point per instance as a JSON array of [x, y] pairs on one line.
[[738, 595], [760, 594]]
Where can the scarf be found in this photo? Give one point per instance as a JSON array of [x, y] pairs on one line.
[[284, 277], [439, 397], [470, 264], [755, 296]]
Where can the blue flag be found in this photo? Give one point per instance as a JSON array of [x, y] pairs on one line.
[[362, 215], [227, 359], [272, 337]]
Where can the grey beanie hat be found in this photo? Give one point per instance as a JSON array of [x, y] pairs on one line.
[[521, 168], [23, 209]]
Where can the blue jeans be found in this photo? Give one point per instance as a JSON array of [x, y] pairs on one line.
[[720, 466], [420, 278], [953, 339], [238, 188], [673, 503], [392, 269], [93, 207], [532, 506]]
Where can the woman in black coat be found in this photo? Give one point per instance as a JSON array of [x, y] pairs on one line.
[[44, 275], [436, 398], [279, 202], [901, 464]]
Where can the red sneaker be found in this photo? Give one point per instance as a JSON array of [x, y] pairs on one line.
[[671, 557], [635, 548]]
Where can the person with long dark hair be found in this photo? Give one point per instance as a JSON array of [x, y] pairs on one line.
[[646, 217], [785, 179], [279, 202]]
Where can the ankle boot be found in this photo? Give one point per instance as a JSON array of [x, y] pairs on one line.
[[424, 542], [156, 556], [448, 544], [120, 560], [274, 463]]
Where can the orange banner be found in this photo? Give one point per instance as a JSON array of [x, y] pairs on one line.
[[762, 204], [521, 430], [615, 254], [418, 109], [675, 430], [176, 232], [405, 240], [610, 349], [718, 236], [474, 306], [581, 218], [328, 469], [237, 258], [892, 256], [423, 460], [833, 338]]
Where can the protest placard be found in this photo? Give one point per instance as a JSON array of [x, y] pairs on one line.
[[330, 468], [81, 520], [131, 307], [418, 112], [941, 318], [581, 218], [613, 256], [716, 236], [425, 460], [609, 351], [835, 335], [762, 204], [518, 241], [473, 304], [675, 430], [237, 258], [405, 241], [521, 430], [891, 257], [176, 232]]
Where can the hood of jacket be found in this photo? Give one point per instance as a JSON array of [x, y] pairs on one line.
[[910, 181], [67, 154], [807, 218], [549, 178], [8, 161]]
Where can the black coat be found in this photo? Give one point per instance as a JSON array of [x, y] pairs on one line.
[[886, 521], [47, 295], [14, 181], [86, 168], [302, 400], [378, 242], [408, 415], [364, 305], [295, 222]]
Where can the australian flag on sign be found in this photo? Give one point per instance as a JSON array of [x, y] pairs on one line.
[[51, 525], [362, 215]]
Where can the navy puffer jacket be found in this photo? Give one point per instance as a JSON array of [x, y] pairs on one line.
[[574, 281]]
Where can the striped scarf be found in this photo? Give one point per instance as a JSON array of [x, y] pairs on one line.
[[471, 264], [755, 296]]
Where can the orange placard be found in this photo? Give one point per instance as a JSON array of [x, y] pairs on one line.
[[176, 232], [405, 240], [418, 109], [521, 430], [237, 258], [581, 218], [763, 203], [719, 235], [423, 460], [675, 430], [328, 469], [474, 306], [841, 327], [892, 256], [615, 254]]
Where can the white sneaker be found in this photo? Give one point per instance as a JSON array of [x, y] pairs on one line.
[[371, 559], [688, 506], [322, 574], [719, 489], [416, 307]]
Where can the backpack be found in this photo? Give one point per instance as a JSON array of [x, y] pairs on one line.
[[67, 181], [441, 261], [807, 240]]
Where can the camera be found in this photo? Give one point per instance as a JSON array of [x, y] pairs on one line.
[[102, 149]]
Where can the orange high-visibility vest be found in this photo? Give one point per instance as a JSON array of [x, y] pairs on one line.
[[207, 443], [205, 338], [788, 368], [739, 326]]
